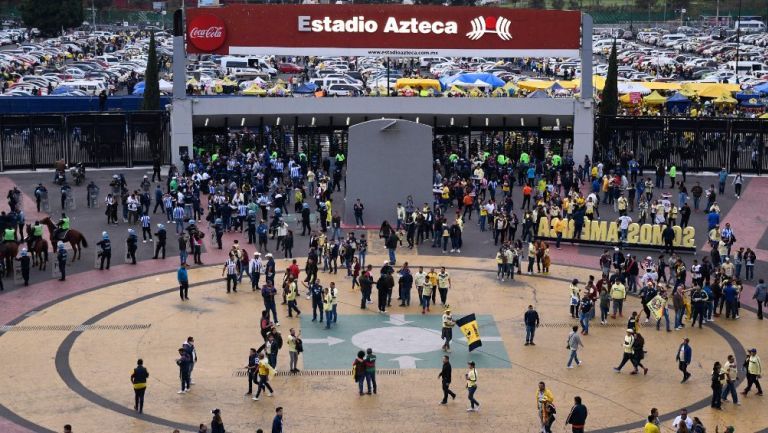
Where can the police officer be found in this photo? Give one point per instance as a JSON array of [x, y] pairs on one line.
[[106, 250], [37, 234], [25, 266], [63, 226], [161, 236], [132, 244], [40, 191], [61, 257], [9, 234]]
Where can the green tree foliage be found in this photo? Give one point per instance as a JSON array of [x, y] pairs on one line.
[[610, 100], [50, 16], [574, 5], [537, 4], [558, 4], [152, 79]]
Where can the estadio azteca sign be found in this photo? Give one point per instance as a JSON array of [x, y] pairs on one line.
[[382, 30]]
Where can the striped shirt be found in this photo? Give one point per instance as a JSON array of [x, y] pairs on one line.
[[168, 202], [178, 213], [278, 166], [242, 210], [144, 221], [295, 171], [231, 267]]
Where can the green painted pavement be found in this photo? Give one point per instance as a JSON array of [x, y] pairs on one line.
[[399, 341]]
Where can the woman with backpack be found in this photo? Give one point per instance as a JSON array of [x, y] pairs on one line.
[[638, 353]]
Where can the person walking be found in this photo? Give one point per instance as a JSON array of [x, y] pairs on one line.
[[629, 343], [683, 358], [445, 377], [252, 368], [189, 349], [105, 251], [183, 362], [183, 279], [731, 376], [139, 380], [574, 343], [230, 268], [761, 294], [577, 417], [443, 284], [531, 319], [471, 376], [162, 236], [585, 313], [638, 353], [293, 292], [131, 244], [754, 369], [277, 421], [545, 403], [370, 370], [26, 265], [61, 257], [264, 371], [718, 377], [447, 329], [358, 370], [328, 307]]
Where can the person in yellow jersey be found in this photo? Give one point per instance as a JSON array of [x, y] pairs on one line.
[[443, 284], [471, 376], [628, 346], [447, 330], [432, 281], [650, 426], [264, 373], [618, 294], [545, 403], [293, 291], [426, 293]]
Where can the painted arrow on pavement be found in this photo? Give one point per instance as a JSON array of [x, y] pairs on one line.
[[406, 361], [484, 339], [397, 320], [327, 340]]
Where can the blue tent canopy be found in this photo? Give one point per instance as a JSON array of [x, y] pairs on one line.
[[761, 88], [555, 86], [306, 88], [746, 96], [678, 103], [746, 103], [491, 79]]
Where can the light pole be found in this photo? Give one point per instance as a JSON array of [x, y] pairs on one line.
[[93, 13], [738, 41]]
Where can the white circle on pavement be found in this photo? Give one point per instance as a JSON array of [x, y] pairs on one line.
[[398, 340]]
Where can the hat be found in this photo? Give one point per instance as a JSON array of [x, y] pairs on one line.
[[386, 262], [615, 248], [216, 411], [753, 350], [23, 252], [104, 235], [447, 307], [145, 176], [160, 226], [269, 254], [631, 331], [256, 253], [191, 222]]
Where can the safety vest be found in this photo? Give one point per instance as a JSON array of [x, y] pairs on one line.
[[9, 235], [65, 223], [37, 230]]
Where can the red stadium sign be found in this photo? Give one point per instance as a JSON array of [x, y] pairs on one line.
[[382, 30]]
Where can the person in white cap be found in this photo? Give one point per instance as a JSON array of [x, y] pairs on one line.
[[61, 257], [629, 342], [25, 266]]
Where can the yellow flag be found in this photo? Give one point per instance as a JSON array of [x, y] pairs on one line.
[[656, 306], [468, 326]]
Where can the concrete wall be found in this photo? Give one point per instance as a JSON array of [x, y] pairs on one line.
[[387, 161]]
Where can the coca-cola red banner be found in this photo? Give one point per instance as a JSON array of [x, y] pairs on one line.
[[382, 30]]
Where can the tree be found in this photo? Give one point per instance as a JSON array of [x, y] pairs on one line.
[[50, 16], [610, 100], [536, 4], [574, 5], [100, 5], [151, 79], [645, 4], [558, 4]]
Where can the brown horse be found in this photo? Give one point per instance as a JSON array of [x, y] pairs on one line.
[[39, 251], [74, 237], [8, 251]]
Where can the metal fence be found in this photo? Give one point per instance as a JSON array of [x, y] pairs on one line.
[[96, 139], [701, 143]]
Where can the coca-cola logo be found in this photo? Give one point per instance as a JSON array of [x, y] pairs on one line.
[[206, 32]]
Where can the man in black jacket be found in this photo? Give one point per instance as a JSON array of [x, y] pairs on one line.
[[385, 284], [139, 381], [366, 286], [161, 236], [445, 375], [578, 416], [531, 319]]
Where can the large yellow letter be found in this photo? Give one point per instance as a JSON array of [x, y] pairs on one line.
[[656, 235], [646, 231], [633, 233], [543, 227], [688, 237], [613, 232]]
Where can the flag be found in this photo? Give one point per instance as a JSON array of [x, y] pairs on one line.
[[468, 326], [656, 306]]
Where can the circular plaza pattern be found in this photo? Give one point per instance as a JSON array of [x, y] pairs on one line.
[[72, 358]]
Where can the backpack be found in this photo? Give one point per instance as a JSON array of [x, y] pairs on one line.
[[299, 345]]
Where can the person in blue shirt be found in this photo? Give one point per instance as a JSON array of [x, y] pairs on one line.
[[713, 220], [731, 296], [683, 357], [277, 422], [181, 276], [722, 176]]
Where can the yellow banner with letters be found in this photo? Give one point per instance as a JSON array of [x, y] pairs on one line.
[[608, 232]]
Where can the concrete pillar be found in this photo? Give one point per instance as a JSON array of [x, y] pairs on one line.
[[583, 108], [181, 129]]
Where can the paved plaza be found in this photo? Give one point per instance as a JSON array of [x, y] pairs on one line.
[[68, 349]]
